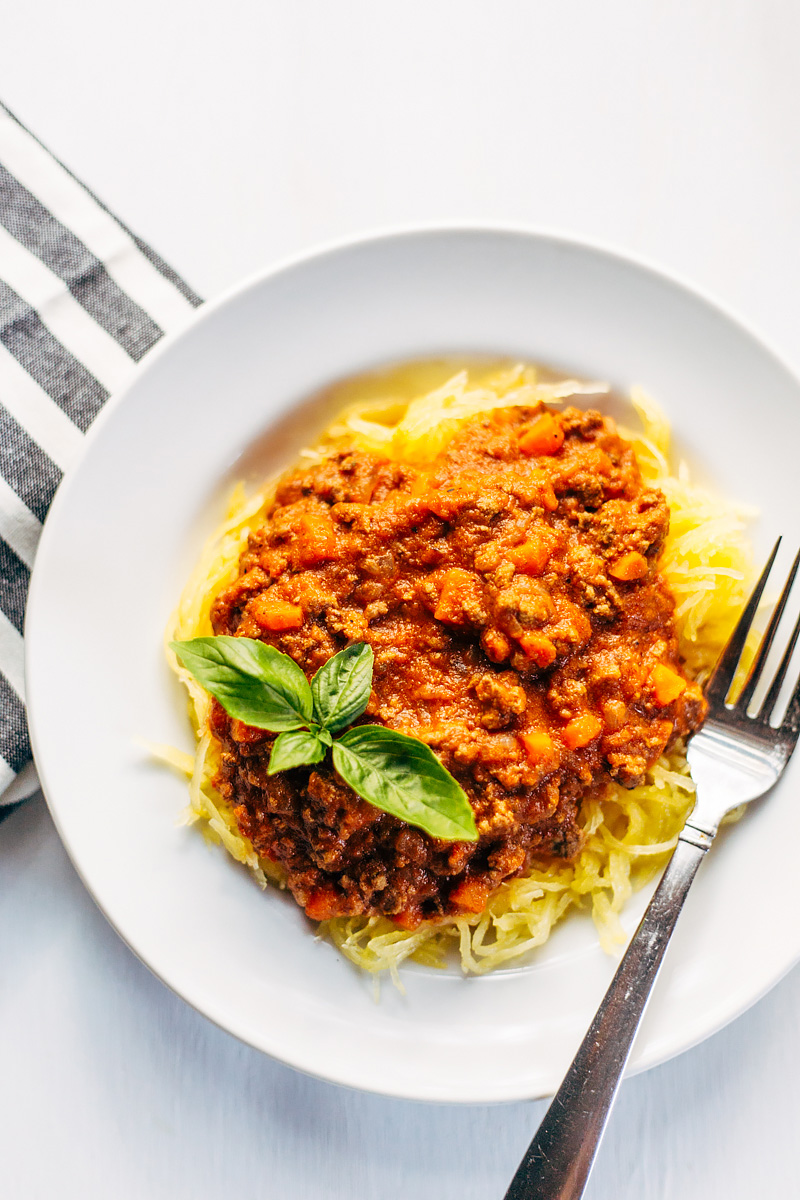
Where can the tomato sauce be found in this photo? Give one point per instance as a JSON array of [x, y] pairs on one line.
[[511, 594]]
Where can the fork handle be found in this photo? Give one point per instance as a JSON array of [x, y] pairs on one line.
[[560, 1157]]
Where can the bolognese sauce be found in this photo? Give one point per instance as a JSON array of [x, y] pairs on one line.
[[520, 626]]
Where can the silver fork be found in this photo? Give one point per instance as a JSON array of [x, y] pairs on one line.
[[735, 758]]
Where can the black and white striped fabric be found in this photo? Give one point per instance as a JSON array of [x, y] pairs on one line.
[[81, 301]]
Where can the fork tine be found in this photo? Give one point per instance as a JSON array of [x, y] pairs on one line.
[[719, 684], [754, 674], [789, 727], [771, 697]]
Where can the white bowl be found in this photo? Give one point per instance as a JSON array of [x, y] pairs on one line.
[[127, 525]]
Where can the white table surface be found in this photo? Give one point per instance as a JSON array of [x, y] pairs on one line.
[[229, 136]]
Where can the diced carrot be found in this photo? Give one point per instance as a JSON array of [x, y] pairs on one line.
[[496, 645], [323, 903], [580, 731], [274, 562], [538, 745], [448, 503], [459, 589], [667, 684], [532, 556], [316, 539], [538, 648], [471, 894], [409, 918], [542, 436], [274, 614], [629, 567]]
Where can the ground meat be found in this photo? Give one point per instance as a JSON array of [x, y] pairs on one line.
[[501, 697], [520, 628]]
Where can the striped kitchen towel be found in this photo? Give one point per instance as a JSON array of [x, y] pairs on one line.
[[82, 299]]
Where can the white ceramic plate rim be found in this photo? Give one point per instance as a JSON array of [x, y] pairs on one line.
[[382, 233]]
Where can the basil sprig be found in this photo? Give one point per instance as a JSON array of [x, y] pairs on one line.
[[262, 687]]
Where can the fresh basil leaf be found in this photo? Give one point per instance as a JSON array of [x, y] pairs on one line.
[[402, 776], [342, 686], [299, 748], [253, 682]]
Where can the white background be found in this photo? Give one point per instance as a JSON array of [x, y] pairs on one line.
[[228, 136]]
